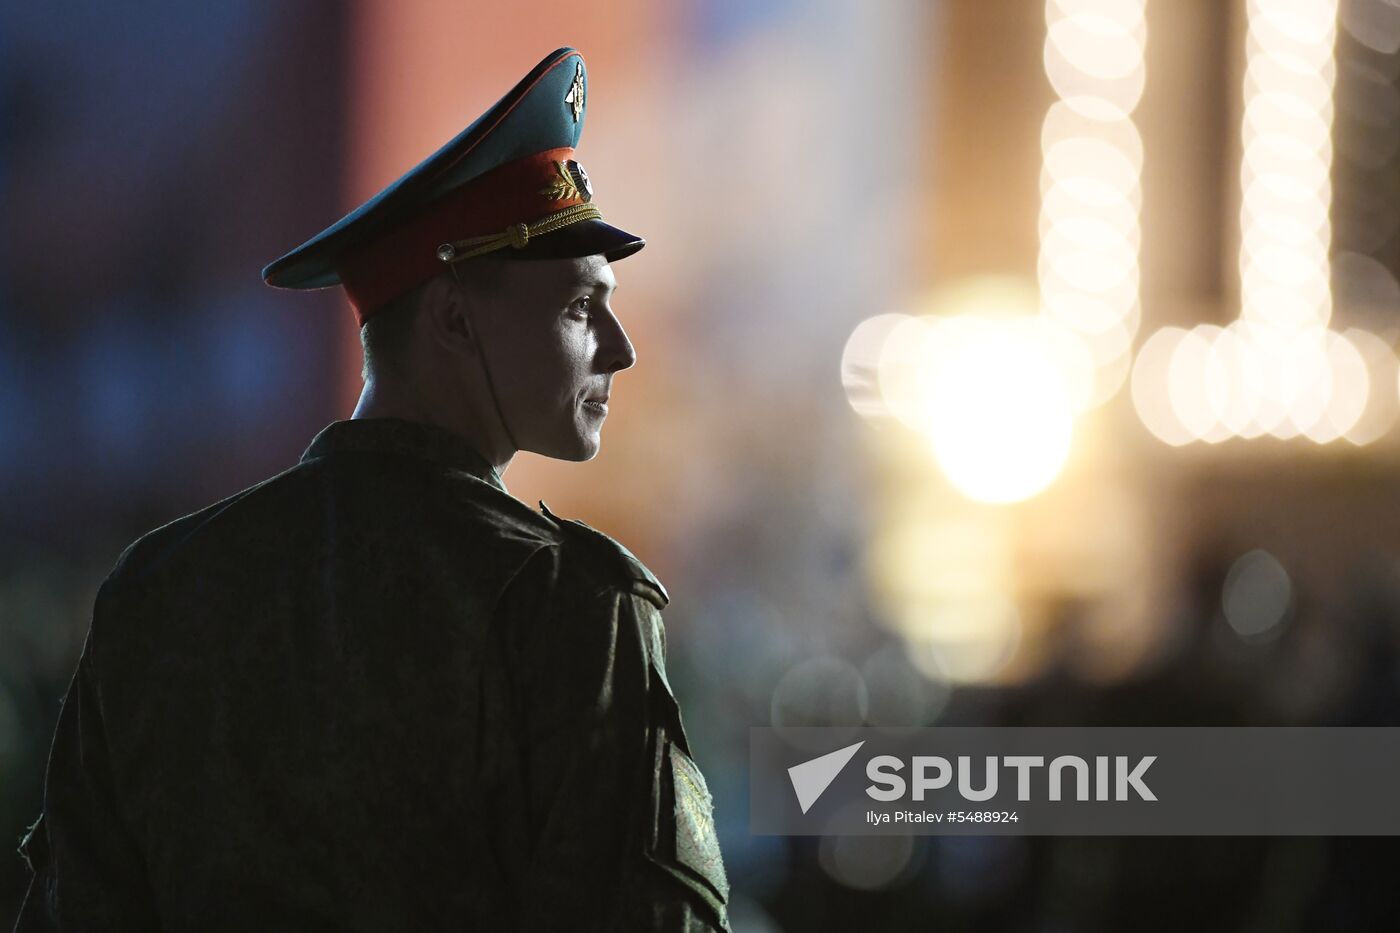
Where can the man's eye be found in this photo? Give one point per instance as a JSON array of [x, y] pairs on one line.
[[580, 307]]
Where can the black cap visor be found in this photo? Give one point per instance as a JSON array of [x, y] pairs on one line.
[[585, 238]]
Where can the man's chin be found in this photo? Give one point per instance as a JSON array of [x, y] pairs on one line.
[[589, 445], [582, 447]]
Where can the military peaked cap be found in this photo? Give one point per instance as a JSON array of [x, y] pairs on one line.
[[507, 185]]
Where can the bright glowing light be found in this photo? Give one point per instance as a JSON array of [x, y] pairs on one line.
[[1382, 372], [901, 370], [1149, 387], [1087, 157], [1095, 202], [1094, 57], [1237, 372], [1277, 369], [1098, 46], [1306, 23], [1097, 93], [1106, 9], [860, 361], [1090, 184], [1195, 398], [995, 394], [1349, 384], [1287, 160], [999, 409], [1064, 124]]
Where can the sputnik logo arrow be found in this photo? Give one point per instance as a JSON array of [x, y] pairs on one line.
[[811, 778]]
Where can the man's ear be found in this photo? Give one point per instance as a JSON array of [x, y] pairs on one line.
[[448, 316]]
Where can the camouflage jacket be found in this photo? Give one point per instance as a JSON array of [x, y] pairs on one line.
[[374, 692]]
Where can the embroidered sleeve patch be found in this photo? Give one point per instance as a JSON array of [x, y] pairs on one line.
[[697, 845]]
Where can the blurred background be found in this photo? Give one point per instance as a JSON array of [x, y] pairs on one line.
[[1001, 362]]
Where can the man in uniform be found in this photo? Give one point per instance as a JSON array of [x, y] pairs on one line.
[[376, 692]]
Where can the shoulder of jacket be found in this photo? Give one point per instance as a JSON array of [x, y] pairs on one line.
[[148, 552], [612, 561]]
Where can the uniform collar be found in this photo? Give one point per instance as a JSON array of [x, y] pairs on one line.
[[408, 438]]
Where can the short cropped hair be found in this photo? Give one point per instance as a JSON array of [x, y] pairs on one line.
[[384, 336]]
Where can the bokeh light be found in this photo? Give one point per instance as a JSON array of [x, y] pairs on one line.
[[901, 696], [1257, 595], [997, 406], [1149, 387], [1382, 406], [1278, 369], [867, 863], [819, 692], [992, 386], [1091, 197], [860, 362], [1373, 23], [965, 641]]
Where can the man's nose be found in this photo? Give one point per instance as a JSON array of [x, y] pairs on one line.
[[615, 349]]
